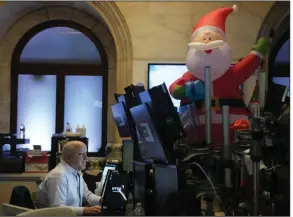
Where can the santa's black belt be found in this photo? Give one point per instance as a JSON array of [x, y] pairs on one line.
[[235, 103]]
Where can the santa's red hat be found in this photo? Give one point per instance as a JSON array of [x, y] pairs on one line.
[[214, 21]]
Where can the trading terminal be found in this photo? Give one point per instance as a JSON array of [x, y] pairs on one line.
[[173, 178]]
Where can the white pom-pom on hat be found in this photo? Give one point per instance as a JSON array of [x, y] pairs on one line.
[[235, 8]]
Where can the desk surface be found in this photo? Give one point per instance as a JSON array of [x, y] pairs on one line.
[[32, 176], [22, 176]]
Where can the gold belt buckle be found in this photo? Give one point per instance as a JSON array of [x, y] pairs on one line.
[[215, 107]]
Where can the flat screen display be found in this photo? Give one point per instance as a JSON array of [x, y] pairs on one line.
[[105, 171], [121, 120], [168, 73], [149, 140], [117, 190], [127, 155], [139, 182]]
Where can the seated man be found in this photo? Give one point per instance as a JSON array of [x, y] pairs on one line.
[[64, 185]]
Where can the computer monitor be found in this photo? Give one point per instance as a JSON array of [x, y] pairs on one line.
[[131, 99], [105, 183], [140, 151], [190, 122], [117, 96], [105, 171], [121, 119], [166, 183], [132, 95], [149, 138], [144, 188], [167, 73], [165, 113], [145, 97], [117, 191], [140, 182], [127, 155], [121, 98]]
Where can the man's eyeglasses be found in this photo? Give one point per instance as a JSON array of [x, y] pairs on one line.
[[82, 154]]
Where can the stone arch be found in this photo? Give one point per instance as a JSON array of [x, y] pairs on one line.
[[274, 25], [276, 21], [116, 43], [120, 32]]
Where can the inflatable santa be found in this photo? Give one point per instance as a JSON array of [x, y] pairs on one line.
[[209, 47]]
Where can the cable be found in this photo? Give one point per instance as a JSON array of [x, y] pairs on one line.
[[213, 187]]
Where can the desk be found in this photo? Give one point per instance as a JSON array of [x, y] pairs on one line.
[[22, 177]]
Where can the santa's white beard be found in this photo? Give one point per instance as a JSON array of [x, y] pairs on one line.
[[219, 60]]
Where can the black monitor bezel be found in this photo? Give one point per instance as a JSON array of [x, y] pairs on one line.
[[167, 156]]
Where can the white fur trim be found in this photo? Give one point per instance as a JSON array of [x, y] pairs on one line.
[[207, 29], [235, 8], [257, 54]]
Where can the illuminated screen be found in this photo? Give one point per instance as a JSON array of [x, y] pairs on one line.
[[168, 73], [105, 171]]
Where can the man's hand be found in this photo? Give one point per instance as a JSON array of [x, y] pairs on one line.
[[194, 90], [262, 46], [92, 210]]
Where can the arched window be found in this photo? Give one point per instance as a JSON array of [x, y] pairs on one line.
[[59, 75]]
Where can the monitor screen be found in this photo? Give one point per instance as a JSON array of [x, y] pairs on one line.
[[148, 136], [105, 171], [117, 190], [166, 73], [121, 98], [127, 155], [166, 182], [139, 182], [121, 120], [132, 95], [166, 116]]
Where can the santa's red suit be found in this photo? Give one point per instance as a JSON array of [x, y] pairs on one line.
[[225, 89]]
